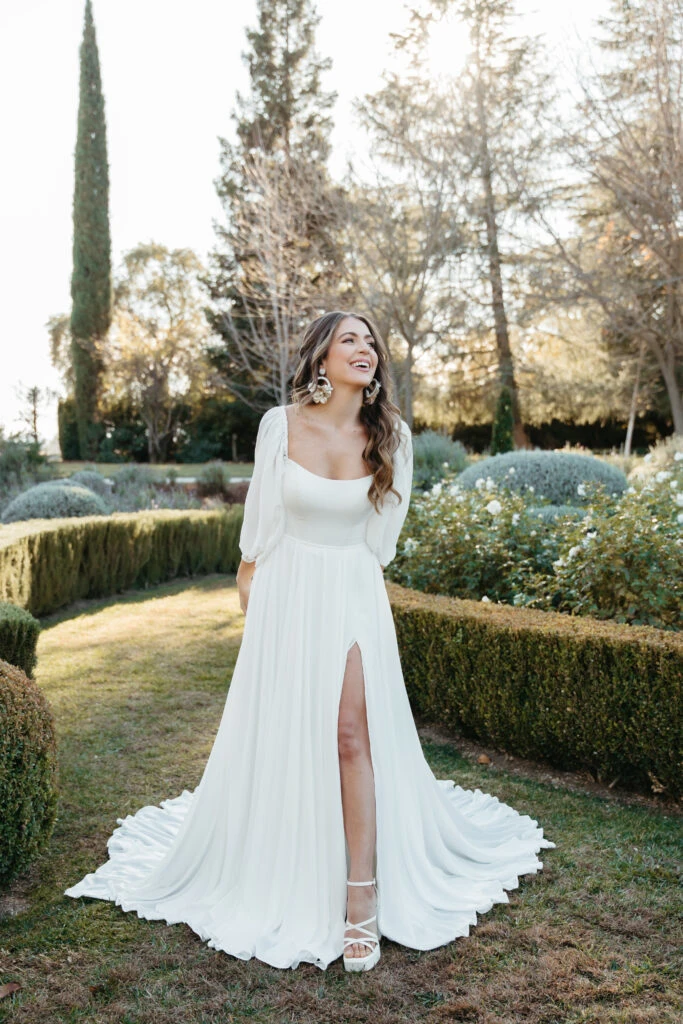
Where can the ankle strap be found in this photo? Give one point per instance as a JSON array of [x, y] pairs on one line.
[[371, 882]]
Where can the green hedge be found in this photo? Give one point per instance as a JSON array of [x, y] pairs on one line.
[[28, 772], [18, 637], [573, 691], [47, 564], [578, 693]]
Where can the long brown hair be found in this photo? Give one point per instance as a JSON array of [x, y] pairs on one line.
[[381, 419]]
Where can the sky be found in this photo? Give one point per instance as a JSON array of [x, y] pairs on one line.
[[170, 70]]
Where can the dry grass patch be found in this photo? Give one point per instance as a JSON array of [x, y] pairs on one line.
[[138, 686]]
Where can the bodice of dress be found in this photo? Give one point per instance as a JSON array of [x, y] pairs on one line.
[[324, 511], [335, 510]]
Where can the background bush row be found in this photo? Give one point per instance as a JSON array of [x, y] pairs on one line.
[[47, 565]]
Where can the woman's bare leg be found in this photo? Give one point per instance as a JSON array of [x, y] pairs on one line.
[[358, 794]]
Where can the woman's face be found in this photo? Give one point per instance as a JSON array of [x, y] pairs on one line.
[[352, 356]]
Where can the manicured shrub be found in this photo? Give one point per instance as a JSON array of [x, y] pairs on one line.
[[213, 479], [93, 480], [558, 477], [18, 637], [574, 692], [28, 772], [433, 456], [54, 501], [45, 566]]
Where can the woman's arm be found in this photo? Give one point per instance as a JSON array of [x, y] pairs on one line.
[[245, 572]]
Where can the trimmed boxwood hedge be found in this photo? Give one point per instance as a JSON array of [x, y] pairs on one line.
[[28, 772], [18, 637], [569, 690], [47, 564], [573, 691]]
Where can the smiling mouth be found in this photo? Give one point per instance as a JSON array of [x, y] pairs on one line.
[[363, 369]]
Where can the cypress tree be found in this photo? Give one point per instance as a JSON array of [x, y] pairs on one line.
[[91, 285]]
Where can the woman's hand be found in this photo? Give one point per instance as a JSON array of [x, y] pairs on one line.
[[245, 574]]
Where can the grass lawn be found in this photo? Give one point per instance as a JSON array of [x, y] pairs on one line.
[[137, 685]]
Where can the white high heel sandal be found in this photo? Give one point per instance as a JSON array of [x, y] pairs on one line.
[[362, 963]]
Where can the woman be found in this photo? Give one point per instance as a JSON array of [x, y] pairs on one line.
[[318, 825]]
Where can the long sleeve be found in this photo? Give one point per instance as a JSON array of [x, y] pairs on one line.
[[263, 502], [384, 528]]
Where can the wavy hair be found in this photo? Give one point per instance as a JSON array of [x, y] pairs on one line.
[[381, 419]]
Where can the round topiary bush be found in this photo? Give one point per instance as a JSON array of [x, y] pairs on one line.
[[54, 501], [28, 772], [93, 480], [19, 632], [433, 455], [559, 477]]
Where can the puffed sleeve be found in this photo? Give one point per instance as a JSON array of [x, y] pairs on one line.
[[262, 503], [384, 527]]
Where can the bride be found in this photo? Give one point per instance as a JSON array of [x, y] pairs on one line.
[[318, 826]]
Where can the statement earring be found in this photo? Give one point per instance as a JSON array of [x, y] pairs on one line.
[[320, 392], [371, 391]]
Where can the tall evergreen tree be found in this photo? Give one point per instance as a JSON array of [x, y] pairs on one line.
[[91, 285], [282, 145]]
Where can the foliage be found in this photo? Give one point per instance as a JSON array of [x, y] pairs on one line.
[[559, 477], [54, 501], [67, 421], [45, 566], [213, 479], [94, 481], [501, 434], [433, 455], [18, 637], [626, 152], [20, 461], [272, 268], [624, 561], [91, 287], [28, 772], [621, 558], [156, 352], [577, 693], [664, 457]]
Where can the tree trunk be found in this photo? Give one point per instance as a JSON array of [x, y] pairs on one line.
[[634, 403], [505, 363]]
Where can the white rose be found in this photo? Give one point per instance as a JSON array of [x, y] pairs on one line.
[[494, 507], [678, 456], [436, 489], [515, 518], [512, 471], [581, 490], [485, 598], [661, 476], [679, 498], [679, 517], [573, 552], [479, 483]]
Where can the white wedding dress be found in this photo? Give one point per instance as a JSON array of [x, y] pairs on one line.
[[255, 860]]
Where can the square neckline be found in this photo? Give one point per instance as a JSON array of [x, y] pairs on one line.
[[331, 479]]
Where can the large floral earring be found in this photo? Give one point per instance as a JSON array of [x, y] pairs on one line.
[[320, 392], [371, 391]]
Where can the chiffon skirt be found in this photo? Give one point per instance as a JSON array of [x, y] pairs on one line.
[[255, 859]]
